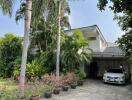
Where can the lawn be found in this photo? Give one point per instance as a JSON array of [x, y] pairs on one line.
[[9, 89]]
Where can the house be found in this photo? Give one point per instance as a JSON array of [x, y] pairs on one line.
[[105, 55]]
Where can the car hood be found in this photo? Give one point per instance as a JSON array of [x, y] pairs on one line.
[[114, 74]]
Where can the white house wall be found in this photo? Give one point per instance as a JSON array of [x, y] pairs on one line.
[[102, 44], [95, 44]]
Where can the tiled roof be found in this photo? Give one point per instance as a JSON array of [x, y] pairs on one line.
[[114, 51]]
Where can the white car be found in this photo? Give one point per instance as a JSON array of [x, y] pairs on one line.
[[117, 76]]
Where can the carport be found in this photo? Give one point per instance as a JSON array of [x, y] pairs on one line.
[[111, 57]]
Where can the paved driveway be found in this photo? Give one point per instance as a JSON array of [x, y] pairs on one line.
[[96, 90]]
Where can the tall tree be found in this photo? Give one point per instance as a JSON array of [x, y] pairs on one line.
[[62, 7], [125, 43], [28, 14], [58, 39], [6, 6]]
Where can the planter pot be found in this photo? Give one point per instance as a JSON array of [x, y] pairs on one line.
[[35, 97], [56, 91], [65, 88], [80, 82], [48, 94], [73, 86]]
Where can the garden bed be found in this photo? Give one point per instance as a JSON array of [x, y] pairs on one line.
[[44, 87], [9, 90]]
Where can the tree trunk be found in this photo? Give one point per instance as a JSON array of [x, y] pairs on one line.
[[28, 13], [58, 41]]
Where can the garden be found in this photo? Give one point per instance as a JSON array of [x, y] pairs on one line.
[[41, 79], [46, 60], [39, 88], [51, 61]]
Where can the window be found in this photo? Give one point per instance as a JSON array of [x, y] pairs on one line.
[[92, 38]]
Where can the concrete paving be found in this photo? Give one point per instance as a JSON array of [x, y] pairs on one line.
[[96, 90]]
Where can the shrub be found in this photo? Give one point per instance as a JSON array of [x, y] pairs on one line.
[[35, 69], [81, 74], [75, 51], [54, 81], [10, 49], [16, 71]]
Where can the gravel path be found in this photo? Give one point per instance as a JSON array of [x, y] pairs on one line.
[[96, 90]]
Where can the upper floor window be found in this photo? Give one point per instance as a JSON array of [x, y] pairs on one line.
[[92, 38]]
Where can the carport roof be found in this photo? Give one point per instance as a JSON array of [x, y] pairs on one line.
[[114, 51]]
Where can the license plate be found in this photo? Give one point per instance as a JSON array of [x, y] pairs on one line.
[[111, 79]]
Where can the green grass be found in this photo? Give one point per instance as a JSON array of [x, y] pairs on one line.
[[9, 89]]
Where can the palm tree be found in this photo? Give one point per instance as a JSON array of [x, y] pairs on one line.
[[63, 7], [28, 14], [6, 6], [58, 40]]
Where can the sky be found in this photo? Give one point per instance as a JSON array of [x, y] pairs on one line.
[[83, 13]]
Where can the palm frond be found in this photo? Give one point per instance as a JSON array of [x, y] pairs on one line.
[[6, 6]]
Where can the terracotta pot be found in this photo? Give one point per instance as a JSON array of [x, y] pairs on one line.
[[56, 91], [73, 86], [80, 82], [35, 97], [48, 94], [65, 88]]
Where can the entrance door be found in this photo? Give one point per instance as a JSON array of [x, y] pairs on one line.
[[93, 70]]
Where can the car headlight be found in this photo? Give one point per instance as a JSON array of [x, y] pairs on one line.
[[122, 77], [104, 76]]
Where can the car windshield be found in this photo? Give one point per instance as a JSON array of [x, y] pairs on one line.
[[115, 71]]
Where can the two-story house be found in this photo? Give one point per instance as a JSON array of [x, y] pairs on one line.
[[105, 55]]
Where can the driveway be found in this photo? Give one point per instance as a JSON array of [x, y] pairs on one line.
[[96, 90]]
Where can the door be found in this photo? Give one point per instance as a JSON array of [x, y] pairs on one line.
[[93, 70]]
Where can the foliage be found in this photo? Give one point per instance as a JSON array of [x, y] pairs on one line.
[[44, 21], [75, 51], [46, 10], [6, 6], [54, 81], [35, 69], [43, 35], [10, 50], [130, 59], [72, 47], [16, 71], [48, 59], [9, 89], [81, 74], [122, 10], [125, 42]]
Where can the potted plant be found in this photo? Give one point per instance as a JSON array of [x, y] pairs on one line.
[[80, 82], [65, 88], [48, 92], [56, 90], [35, 97], [73, 85], [35, 92], [65, 83], [57, 84], [81, 77]]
